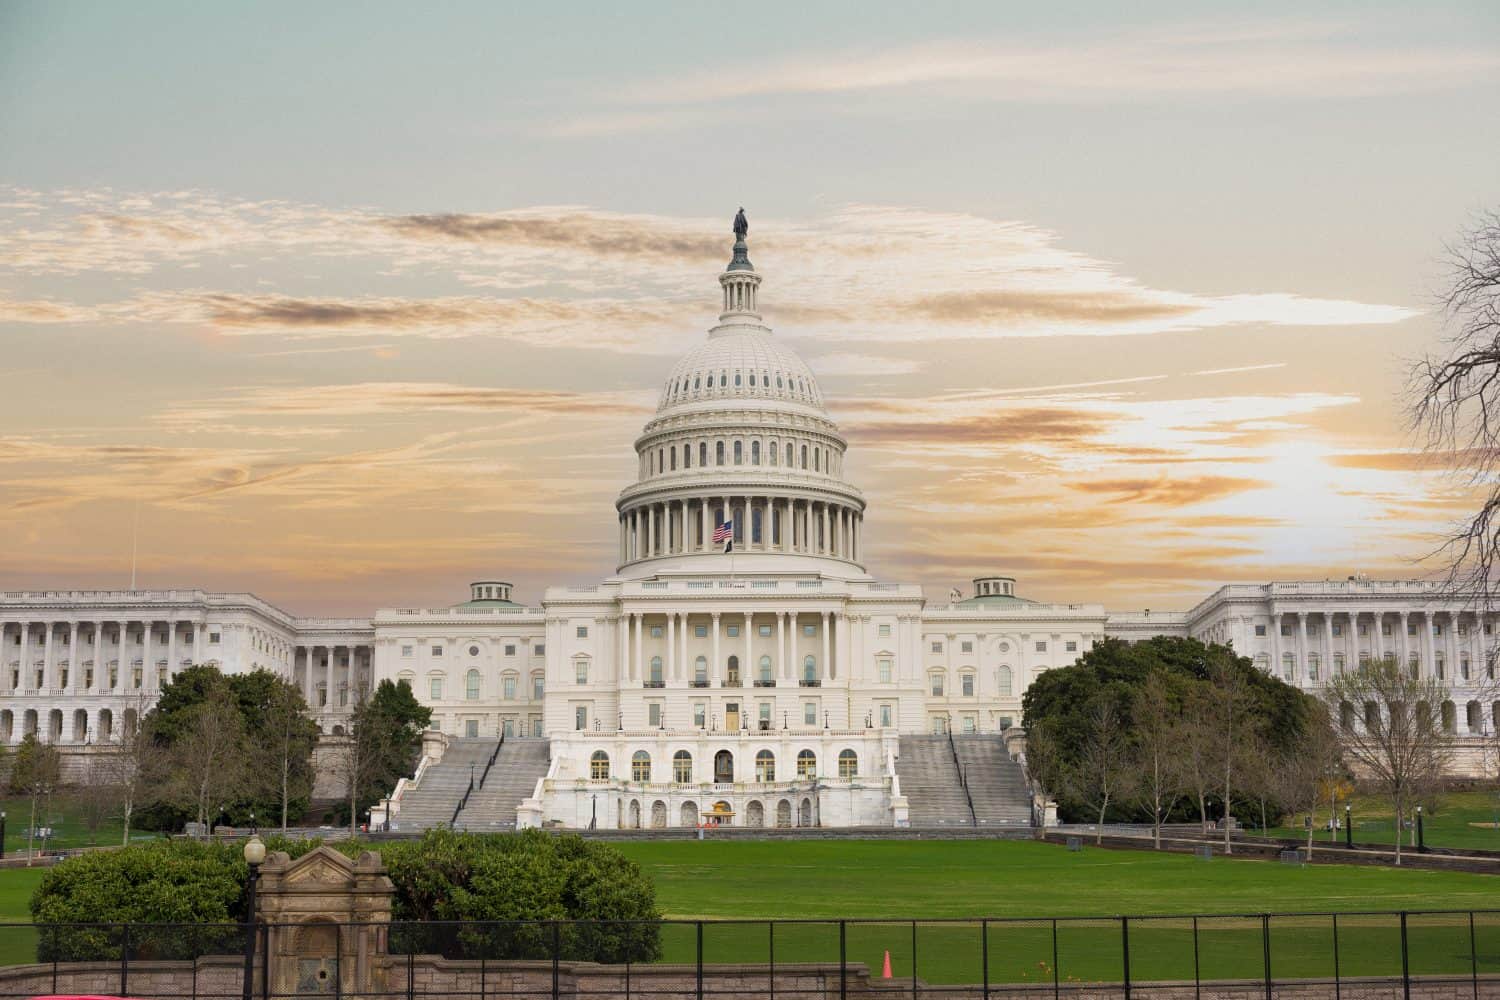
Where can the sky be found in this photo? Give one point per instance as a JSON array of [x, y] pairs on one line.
[[348, 305]]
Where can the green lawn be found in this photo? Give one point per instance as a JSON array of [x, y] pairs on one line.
[[1455, 824], [802, 884], [65, 819]]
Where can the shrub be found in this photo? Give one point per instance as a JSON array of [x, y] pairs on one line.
[[447, 885]]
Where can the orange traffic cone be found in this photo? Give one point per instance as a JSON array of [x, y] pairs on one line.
[[885, 970]]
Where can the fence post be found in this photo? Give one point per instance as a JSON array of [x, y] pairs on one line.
[[1337, 976], [124, 960], [1125, 952], [1265, 947], [265, 961], [1055, 987], [1405, 965], [556, 955], [771, 954], [411, 972], [1473, 957], [483, 979], [984, 955], [843, 959], [914, 940], [1197, 978], [54, 964], [700, 960]]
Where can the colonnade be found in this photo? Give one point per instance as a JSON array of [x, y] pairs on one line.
[[761, 524], [1450, 646], [679, 657], [330, 675], [96, 656]]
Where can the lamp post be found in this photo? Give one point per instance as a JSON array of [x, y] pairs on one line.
[[1348, 829], [2, 834], [253, 828], [255, 853], [1421, 840]]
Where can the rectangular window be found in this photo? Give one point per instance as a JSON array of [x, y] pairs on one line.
[[407, 651], [583, 631], [968, 685], [700, 714], [937, 684], [509, 685], [937, 647], [1411, 630], [1437, 629], [732, 631], [213, 638], [1338, 629], [536, 688], [581, 671], [437, 650], [1260, 630], [810, 713], [653, 715], [1286, 630], [885, 631], [1364, 630], [765, 716], [809, 630], [968, 647], [538, 650], [471, 728], [510, 650], [700, 631], [1041, 647], [580, 718], [765, 630], [1385, 628], [656, 631], [1071, 647], [885, 716], [435, 688], [884, 666]]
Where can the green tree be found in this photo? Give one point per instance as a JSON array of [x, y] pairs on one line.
[[385, 737], [276, 712]]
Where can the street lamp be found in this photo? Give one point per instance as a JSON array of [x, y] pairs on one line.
[[253, 828], [1421, 840], [2, 834], [255, 853], [1348, 829]]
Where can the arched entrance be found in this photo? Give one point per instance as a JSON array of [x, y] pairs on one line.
[[805, 816], [690, 814], [784, 813], [635, 814], [658, 815], [755, 814], [724, 767]]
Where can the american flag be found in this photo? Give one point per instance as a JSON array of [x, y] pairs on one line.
[[725, 533]]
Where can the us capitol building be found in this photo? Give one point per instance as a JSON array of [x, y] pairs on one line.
[[778, 683]]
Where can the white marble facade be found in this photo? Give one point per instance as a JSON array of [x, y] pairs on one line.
[[785, 656]]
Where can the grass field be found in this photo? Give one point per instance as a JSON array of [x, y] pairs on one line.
[[802, 884], [1455, 824], [65, 819]]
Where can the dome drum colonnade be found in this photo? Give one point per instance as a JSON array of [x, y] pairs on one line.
[[740, 435]]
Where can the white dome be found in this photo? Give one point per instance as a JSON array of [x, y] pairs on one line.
[[740, 363]]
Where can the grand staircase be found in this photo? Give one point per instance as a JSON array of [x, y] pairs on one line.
[[521, 762], [997, 785], [432, 801], [929, 780]]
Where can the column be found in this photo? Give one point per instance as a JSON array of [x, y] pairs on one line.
[[747, 667], [823, 671], [1428, 646], [46, 666], [1351, 640], [638, 622], [715, 673], [781, 661], [622, 658], [171, 649], [147, 627], [1275, 668], [841, 648], [1299, 671], [1378, 633], [683, 663], [650, 530], [704, 531], [1404, 643], [101, 666], [682, 541], [671, 647]]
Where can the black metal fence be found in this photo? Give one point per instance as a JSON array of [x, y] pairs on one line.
[[1341, 956]]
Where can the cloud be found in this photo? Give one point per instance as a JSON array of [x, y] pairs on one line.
[[1006, 307], [863, 364], [43, 311], [1297, 60], [594, 233], [1025, 426], [1166, 491]]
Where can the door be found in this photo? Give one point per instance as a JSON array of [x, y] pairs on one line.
[[732, 716], [724, 767]]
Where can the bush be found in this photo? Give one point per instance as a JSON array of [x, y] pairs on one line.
[[514, 880]]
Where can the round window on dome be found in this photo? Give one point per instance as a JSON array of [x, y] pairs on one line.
[[473, 650]]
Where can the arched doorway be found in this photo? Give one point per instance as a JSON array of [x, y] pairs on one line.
[[658, 815], [755, 814], [635, 814], [80, 725], [804, 815], [784, 813], [724, 767], [690, 814], [106, 724]]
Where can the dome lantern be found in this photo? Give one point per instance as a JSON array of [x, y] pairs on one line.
[[740, 280]]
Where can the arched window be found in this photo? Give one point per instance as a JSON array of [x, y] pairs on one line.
[[702, 453], [848, 764], [809, 668], [733, 678], [471, 685], [765, 670], [723, 379], [807, 764], [687, 456], [936, 678], [640, 766], [656, 678], [1003, 680], [673, 460], [1288, 667], [752, 380], [772, 453], [1372, 717], [1312, 666], [661, 460], [700, 672], [599, 766], [739, 452], [736, 378], [804, 456], [682, 767], [816, 452], [754, 452], [765, 766], [718, 452], [1450, 718], [788, 455], [1473, 716]]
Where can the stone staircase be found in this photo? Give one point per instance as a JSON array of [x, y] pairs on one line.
[[521, 762], [431, 803], [929, 780], [997, 784]]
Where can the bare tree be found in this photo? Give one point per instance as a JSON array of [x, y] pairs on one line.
[[135, 767], [1303, 771], [35, 774], [94, 798], [1158, 756], [1223, 704], [1103, 770], [1389, 721], [1193, 736], [1454, 401]]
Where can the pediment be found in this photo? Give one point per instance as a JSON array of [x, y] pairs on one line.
[[320, 866]]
